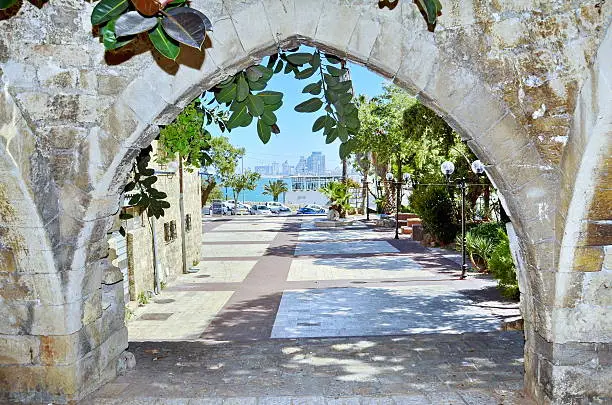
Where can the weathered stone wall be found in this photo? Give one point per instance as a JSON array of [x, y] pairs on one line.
[[517, 78], [140, 262], [193, 207]]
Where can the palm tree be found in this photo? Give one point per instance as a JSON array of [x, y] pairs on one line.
[[275, 188]]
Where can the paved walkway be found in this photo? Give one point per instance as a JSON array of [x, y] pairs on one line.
[[283, 312]]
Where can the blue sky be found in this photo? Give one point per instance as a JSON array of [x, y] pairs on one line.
[[296, 137]]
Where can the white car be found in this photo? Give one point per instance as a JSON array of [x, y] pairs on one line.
[[260, 209], [277, 207], [241, 209]]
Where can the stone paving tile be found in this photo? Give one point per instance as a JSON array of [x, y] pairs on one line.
[[357, 268], [342, 234], [229, 250], [250, 226], [378, 311], [267, 236], [190, 313], [226, 271], [343, 248]]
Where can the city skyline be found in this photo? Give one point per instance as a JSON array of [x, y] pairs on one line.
[[313, 165]]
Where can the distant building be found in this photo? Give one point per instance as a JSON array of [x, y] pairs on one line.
[[274, 169], [301, 168], [264, 170], [315, 164]]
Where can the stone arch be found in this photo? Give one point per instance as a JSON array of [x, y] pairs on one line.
[[471, 71]]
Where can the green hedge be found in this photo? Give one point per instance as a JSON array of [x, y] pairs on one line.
[[435, 208]]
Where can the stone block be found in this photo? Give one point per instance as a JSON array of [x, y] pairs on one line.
[[226, 50], [53, 76], [336, 25], [142, 99], [17, 74], [307, 16], [35, 105], [19, 349], [363, 38], [582, 323], [388, 51], [254, 37], [588, 258], [64, 136], [111, 84], [88, 81], [55, 319], [281, 17]]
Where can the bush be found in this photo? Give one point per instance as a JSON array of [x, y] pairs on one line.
[[502, 267], [480, 249], [488, 230], [435, 207]]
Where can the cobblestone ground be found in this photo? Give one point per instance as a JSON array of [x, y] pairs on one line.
[[282, 312]]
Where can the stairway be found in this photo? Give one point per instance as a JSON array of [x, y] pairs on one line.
[[406, 221]]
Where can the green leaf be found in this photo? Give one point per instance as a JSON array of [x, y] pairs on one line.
[[186, 25], [345, 150], [266, 73], [227, 94], [319, 123], [239, 117], [258, 85], [164, 44], [253, 75], [312, 105], [129, 187], [271, 97], [313, 88], [242, 91], [332, 135], [332, 58], [334, 71], [279, 66], [132, 23], [316, 60], [134, 200], [255, 105], [4, 4], [342, 133], [269, 117], [264, 131], [305, 74], [273, 107], [299, 58], [272, 60], [106, 10]]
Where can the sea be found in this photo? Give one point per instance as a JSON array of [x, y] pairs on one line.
[[256, 195]]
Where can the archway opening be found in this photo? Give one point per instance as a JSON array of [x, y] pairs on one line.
[[283, 253]]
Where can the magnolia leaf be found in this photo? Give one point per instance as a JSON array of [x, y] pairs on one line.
[[319, 123], [237, 105], [299, 59], [4, 4], [271, 97], [315, 62], [132, 23], [253, 75], [312, 105], [149, 7], [107, 10], [187, 25], [305, 74], [269, 117], [342, 133], [258, 85], [275, 129], [239, 117], [266, 73], [313, 88], [345, 150], [272, 60], [273, 107], [255, 105], [332, 135], [164, 44], [264, 131], [242, 89], [332, 58], [109, 39], [227, 94], [334, 71], [279, 66]]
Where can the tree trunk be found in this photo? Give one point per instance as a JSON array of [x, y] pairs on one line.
[[206, 191], [344, 171]]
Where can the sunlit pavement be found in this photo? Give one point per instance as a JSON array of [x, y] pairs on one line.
[[282, 312]]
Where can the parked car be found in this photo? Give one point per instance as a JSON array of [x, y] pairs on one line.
[[277, 207], [206, 210], [219, 208], [260, 209], [311, 209], [241, 209]]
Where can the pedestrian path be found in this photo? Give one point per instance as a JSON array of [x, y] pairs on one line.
[[283, 312]]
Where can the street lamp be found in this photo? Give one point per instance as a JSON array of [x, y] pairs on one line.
[[448, 169]]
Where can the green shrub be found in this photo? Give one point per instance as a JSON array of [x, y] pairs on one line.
[[488, 230], [479, 247], [435, 208], [502, 267]]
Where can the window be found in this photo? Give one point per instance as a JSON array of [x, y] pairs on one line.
[[188, 222], [169, 231], [173, 230]]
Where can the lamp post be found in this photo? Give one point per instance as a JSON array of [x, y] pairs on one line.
[[447, 169]]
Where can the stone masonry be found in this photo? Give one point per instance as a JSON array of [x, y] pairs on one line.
[[526, 82]]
